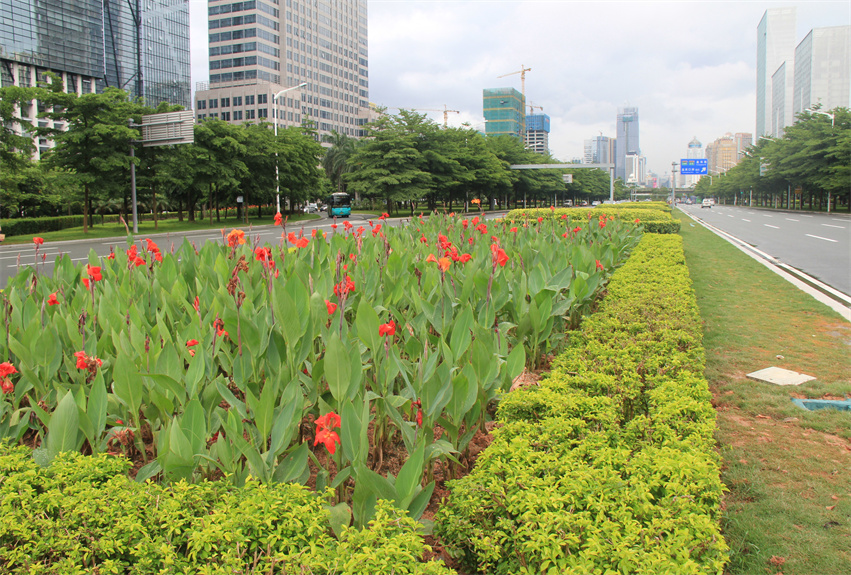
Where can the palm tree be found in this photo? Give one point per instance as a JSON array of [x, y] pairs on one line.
[[335, 161]]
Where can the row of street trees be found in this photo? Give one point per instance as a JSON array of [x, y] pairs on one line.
[[88, 170], [813, 156], [405, 160]]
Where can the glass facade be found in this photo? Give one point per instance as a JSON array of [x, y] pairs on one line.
[[59, 35], [97, 41], [627, 141]]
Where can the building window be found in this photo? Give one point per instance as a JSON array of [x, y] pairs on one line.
[[262, 113], [249, 114], [249, 100], [237, 115], [237, 101], [262, 98], [202, 104], [225, 102], [226, 116], [214, 103]]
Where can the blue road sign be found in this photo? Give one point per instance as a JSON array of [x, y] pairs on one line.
[[693, 167]]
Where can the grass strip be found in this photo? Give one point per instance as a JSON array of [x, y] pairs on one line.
[[788, 470]]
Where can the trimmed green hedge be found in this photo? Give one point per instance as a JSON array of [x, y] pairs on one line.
[[655, 217], [83, 515], [609, 465]]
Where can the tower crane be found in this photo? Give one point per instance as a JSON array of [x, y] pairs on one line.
[[532, 108], [445, 111], [522, 71]]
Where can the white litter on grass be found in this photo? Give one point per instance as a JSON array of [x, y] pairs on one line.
[[779, 376]]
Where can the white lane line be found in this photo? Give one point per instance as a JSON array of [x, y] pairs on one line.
[[805, 216], [730, 216], [838, 220], [832, 226], [792, 220], [767, 216], [821, 238], [744, 220], [770, 226]]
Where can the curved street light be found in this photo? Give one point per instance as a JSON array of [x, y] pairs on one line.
[[831, 116], [277, 177]]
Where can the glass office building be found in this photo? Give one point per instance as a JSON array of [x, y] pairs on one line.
[[312, 54], [92, 44], [627, 142]]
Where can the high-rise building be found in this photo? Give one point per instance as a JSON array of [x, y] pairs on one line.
[[91, 44], [504, 112], [627, 143], [538, 133], [727, 151], [782, 83], [588, 152], [695, 151], [260, 48], [823, 69], [600, 150], [775, 44]]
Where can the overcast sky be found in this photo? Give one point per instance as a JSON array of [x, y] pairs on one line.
[[689, 66]]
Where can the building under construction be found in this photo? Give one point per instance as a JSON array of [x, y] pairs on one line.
[[504, 111]]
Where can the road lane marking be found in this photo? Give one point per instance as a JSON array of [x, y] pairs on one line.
[[832, 226], [770, 226], [792, 220], [767, 216], [744, 220], [821, 238], [730, 216], [805, 216], [838, 220]]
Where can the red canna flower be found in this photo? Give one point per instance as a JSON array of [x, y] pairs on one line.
[[220, 328], [564, 216], [513, 230], [386, 329], [263, 254], [7, 369], [576, 230], [190, 344], [51, 299], [302, 243], [86, 362], [111, 256], [464, 223], [332, 307], [599, 265], [423, 240], [344, 287], [465, 258], [327, 437], [278, 219], [431, 258], [637, 221], [236, 237], [86, 282], [443, 264], [384, 216], [197, 304], [328, 421], [6, 386], [540, 220], [333, 226], [602, 224], [94, 272], [500, 258], [38, 241], [137, 261], [291, 237]]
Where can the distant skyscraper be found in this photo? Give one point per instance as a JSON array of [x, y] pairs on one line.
[[823, 69], [260, 48], [538, 133], [627, 143], [727, 151], [743, 142], [588, 152], [504, 112], [695, 151], [92, 44], [782, 83], [775, 44]]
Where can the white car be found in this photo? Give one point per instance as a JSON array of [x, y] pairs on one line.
[[311, 209], [707, 203]]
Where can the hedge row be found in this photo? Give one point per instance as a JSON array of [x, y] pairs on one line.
[[609, 465], [83, 515], [654, 216]]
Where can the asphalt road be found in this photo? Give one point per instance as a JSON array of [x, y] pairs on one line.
[[817, 244], [15, 257]]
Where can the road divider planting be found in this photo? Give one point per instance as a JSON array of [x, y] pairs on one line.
[[609, 465]]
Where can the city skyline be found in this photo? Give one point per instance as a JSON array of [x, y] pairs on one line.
[[689, 67]]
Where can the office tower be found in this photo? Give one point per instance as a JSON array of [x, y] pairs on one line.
[[726, 152], [823, 69], [782, 84], [775, 44], [695, 151], [504, 112], [743, 142], [538, 133], [260, 48], [588, 152], [600, 150], [627, 144], [91, 44]]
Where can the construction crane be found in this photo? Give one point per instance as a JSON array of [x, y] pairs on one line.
[[522, 71], [445, 111], [532, 108]]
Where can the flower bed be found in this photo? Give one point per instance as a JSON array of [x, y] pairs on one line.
[[654, 217], [609, 465], [298, 362]]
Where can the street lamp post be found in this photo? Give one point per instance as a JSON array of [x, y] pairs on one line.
[[831, 116], [277, 178], [674, 184]]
